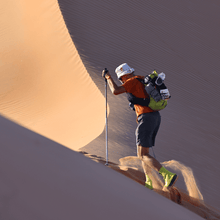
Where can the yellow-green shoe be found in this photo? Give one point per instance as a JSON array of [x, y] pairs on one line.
[[169, 178], [148, 183]]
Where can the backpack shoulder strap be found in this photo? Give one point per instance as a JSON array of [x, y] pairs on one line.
[[140, 80]]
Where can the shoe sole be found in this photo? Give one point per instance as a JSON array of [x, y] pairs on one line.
[[149, 188], [173, 181]]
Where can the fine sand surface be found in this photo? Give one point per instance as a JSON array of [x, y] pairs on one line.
[[44, 84], [190, 199], [180, 38], [52, 55], [41, 179]]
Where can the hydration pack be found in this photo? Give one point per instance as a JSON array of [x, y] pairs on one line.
[[157, 91]]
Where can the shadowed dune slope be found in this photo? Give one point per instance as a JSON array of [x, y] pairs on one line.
[[179, 38], [44, 85], [41, 179]]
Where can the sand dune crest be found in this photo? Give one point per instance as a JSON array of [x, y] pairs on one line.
[[181, 169]]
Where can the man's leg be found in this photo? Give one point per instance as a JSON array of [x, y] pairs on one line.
[[143, 154], [150, 162]]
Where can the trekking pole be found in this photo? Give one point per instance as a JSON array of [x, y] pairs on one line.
[[106, 119], [153, 152]]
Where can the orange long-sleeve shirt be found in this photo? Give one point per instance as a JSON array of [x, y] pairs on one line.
[[134, 86]]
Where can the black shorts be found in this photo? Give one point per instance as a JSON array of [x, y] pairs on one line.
[[148, 126]]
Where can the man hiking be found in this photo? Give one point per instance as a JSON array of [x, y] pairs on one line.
[[148, 121]]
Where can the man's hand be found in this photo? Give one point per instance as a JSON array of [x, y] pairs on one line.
[[106, 74], [116, 90]]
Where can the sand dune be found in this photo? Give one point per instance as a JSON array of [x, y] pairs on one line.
[[190, 199], [180, 39], [51, 85], [41, 179], [44, 84]]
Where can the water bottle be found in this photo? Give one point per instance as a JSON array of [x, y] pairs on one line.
[[160, 79]]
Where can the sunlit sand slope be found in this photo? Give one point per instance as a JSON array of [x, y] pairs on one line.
[[180, 38], [44, 86]]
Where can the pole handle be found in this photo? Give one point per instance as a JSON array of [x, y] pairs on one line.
[[105, 72]]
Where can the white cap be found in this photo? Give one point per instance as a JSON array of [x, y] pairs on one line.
[[123, 69]]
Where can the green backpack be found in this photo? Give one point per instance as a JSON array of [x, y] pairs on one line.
[[156, 90]]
